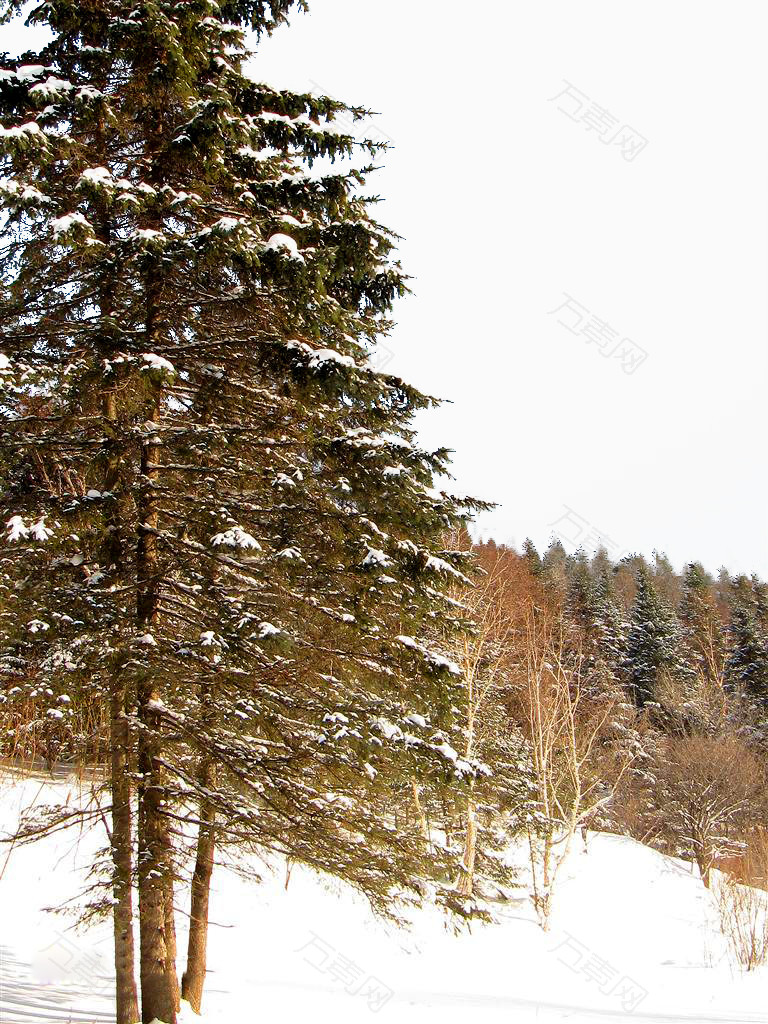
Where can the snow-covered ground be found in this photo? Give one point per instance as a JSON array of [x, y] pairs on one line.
[[634, 936]]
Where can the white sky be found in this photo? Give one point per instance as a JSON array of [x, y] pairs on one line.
[[507, 204]]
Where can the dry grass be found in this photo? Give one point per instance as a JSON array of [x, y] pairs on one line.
[[743, 904]]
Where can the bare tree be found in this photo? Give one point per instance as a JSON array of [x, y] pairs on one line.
[[710, 788], [484, 657], [566, 729], [693, 704]]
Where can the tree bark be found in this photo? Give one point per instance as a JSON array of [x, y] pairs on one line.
[[170, 933], [193, 981], [704, 864], [158, 991], [121, 840], [466, 882], [194, 976], [157, 996], [423, 823], [127, 1005]]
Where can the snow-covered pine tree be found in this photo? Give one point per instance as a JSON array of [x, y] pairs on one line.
[[554, 564], [532, 557], [579, 598], [760, 590], [746, 666], [653, 642], [591, 607], [600, 561], [222, 534], [610, 626]]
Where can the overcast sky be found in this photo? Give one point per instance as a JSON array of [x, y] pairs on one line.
[[582, 191], [632, 203]]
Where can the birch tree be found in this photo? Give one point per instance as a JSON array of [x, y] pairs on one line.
[[495, 805], [566, 730]]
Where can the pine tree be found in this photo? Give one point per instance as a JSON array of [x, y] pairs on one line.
[[554, 568], [580, 593], [591, 607], [601, 562], [746, 667], [610, 627], [760, 590], [222, 533], [652, 642], [532, 557]]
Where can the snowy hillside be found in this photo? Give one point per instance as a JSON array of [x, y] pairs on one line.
[[634, 935]]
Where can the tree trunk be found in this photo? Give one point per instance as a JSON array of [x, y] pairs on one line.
[[423, 823], [127, 1005], [170, 941], [126, 997], [466, 881], [194, 976], [704, 864], [158, 995], [193, 980]]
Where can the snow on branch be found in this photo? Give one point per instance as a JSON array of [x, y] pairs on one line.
[[286, 245], [434, 659], [63, 225], [235, 537], [19, 530]]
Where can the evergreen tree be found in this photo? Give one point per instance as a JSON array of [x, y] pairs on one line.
[[532, 557], [591, 606], [610, 627], [554, 566], [746, 667], [722, 591], [221, 532], [652, 642], [601, 562], [625, 579], [760, 590], [580, 594]]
